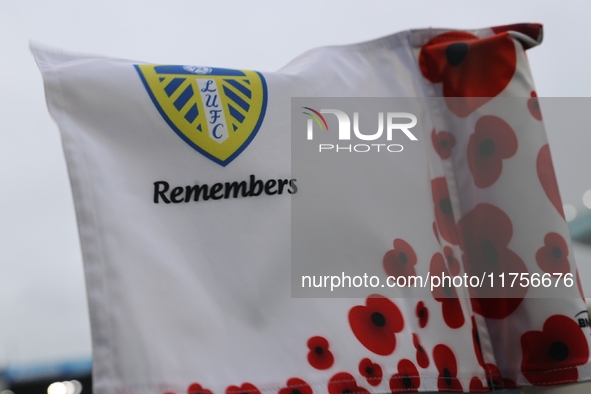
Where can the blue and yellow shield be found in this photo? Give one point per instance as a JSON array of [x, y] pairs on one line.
[[216, 111]]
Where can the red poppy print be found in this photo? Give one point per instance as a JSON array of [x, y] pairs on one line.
[[446, 364], [407, 379], [486, 231], [476, 343], [452, 263], [552, 355], [495, 381], [245, 388], [296, 386], [547, 178], [344, 383], [376, 324], [533, 105], [319, 356], [552, 257], [371, 371], [476, 385], [422, 313], [472, 70], [532, 30], [195, 388], [443, 142], [401, 260], [422, 356], [443, 210], [446, 294], [492, 141]]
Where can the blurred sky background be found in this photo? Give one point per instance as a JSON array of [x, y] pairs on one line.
[[43, 313]]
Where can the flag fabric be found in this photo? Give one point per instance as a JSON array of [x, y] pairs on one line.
[[182, 185]]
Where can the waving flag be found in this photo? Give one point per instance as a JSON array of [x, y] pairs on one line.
[[189, 185]]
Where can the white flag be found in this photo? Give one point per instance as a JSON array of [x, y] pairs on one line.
[[189, 185]]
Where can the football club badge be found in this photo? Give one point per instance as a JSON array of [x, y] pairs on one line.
[[216, 111]]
